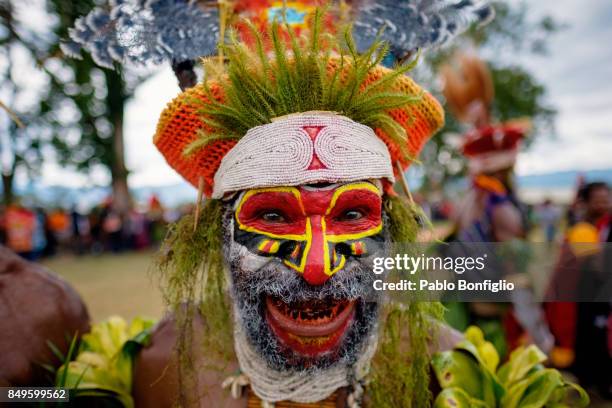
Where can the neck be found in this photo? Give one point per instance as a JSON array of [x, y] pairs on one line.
[[303, 386]]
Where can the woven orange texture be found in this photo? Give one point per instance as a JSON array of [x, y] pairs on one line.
[[178, 126], [180, 123]]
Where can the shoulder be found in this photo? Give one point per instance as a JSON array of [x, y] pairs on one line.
[[159, 378], [36, 308], [507, 221]]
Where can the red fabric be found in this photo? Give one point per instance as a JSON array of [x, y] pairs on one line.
[[513, 330], [561, 317], [489, 139]]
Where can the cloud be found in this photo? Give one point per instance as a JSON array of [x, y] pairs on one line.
[[576, 75]]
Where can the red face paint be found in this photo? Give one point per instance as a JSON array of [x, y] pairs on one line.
[[313, 231]]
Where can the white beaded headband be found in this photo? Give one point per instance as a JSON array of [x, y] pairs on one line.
[[301, 149]]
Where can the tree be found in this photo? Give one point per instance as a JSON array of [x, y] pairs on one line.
[[76, 114], [20, 89], [97, 97], [517, 92]]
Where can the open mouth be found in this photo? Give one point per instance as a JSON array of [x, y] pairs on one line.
[[310, 328]]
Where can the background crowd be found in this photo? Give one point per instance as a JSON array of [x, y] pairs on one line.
[[35, 232]]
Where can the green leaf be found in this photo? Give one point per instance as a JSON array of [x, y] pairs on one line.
[[534, 391], [457, 398], [456, 369], [55, 350], [521, 361], [71, 351]]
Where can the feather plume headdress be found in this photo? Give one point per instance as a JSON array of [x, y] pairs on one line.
[[280, 73], [314, 74], [181, 31], [469, 92]]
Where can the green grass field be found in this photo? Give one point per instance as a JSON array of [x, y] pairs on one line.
[[112, 284]]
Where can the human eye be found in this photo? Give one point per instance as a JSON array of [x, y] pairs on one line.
[[351, 215], [273, 216]]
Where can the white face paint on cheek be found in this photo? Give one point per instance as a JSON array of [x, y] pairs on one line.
[[249, 262]]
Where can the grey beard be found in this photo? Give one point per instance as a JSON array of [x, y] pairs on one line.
[[255, 277]]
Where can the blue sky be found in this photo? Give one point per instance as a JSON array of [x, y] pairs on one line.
[[577, 73]]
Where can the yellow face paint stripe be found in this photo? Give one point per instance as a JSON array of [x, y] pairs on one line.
[[346, 237], [250, 193], [262, 245], [307, 236], [326, 261], [302, 266], [340, 265], [274, 248], [355, 236], [349, 187]]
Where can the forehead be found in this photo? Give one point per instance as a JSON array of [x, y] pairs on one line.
[[309, 198]]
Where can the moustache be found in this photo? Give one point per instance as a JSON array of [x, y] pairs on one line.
[[276, 280]]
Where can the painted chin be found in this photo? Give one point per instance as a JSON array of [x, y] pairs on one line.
[[310, 328]]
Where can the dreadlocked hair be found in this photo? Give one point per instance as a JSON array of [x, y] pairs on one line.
[[400, 368], [192, 281], [282, 74]]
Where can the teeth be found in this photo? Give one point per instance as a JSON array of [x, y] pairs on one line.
[[314, 311]]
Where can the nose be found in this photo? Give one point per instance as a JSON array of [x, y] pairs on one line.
[[317, 261]]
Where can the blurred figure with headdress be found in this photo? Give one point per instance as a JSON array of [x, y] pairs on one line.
[[579, 294], [491, 211], [156, 220]]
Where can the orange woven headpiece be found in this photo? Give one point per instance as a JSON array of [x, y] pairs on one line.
[[180, 124]]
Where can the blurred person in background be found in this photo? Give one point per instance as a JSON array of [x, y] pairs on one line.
[[20, 224], [112, 228], [607, 267], [60, 226], [574, 211], [39, 234], [2, 225], [137, 230], [579, 311], [548, 216], [491, 212], [79, 231], [95, 230], [156, 220]]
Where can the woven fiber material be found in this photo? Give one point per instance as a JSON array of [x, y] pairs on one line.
[[303, 149], [181, 122], [253, 401], [178, 127], [299, 386]]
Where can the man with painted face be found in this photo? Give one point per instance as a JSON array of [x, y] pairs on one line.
[[298, 156], [296, 142]]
